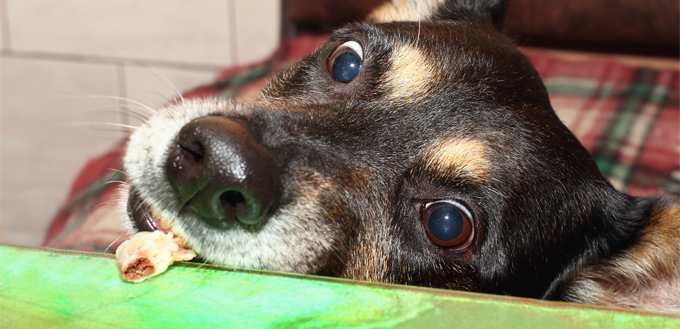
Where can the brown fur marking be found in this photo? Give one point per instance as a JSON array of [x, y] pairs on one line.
[[647, 275], [411, 74], [404, 10], [461, 159]]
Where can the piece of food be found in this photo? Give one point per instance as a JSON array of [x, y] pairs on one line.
[[147, 254]]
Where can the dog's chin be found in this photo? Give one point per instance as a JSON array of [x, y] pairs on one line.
[[284, 242]]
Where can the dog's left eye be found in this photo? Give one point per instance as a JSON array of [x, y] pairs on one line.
[[448, 223], [344, 63]]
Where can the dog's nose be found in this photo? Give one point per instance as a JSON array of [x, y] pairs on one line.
[[221, 174]]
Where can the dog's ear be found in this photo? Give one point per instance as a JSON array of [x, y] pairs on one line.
[[633, 252], [488, 11]]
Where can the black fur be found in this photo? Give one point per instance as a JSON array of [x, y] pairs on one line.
[[546, 209]]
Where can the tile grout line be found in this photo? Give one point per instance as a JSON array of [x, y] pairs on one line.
[[4, 20], [85, 59]]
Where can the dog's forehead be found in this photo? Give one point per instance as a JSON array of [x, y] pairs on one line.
[[446, 95], [411, 61]]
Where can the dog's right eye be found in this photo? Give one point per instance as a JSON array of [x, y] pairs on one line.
[[345, 62], [448, 223]]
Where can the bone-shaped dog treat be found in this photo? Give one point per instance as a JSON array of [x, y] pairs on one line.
[[147, 254]]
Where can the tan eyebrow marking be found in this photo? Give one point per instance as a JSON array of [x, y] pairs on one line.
[[411, 74], [404, 10], [459, 158]]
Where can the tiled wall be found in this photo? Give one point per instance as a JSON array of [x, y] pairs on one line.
[[57, 58]]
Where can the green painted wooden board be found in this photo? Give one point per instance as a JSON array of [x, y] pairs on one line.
[[46, 288]]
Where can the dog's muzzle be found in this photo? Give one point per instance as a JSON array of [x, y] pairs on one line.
[[221, 175]]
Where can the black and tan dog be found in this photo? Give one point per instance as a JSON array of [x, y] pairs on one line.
[[419, 148]]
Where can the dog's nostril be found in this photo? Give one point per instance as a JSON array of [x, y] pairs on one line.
[[221, 174], [190, 144], [234, 203], [194, 149]]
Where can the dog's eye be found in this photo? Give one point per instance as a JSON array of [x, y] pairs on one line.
[[345, 61], [448, 223]]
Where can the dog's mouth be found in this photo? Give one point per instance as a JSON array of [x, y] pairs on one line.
[[142, 215]]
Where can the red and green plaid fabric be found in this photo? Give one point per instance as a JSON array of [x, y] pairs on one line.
[[627, 117]]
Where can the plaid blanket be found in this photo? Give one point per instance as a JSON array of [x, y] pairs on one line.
[[627, 117]]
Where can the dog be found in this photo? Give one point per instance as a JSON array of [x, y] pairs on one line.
[[418, 148]]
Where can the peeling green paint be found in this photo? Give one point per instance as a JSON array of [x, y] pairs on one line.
[[43, 288]]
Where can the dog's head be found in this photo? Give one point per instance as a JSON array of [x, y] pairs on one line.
[[418, 148]]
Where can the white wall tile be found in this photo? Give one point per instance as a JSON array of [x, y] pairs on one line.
[[41, 152], [154, 30], [257, 29]]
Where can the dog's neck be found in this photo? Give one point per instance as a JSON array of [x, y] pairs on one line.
[[646, 275]]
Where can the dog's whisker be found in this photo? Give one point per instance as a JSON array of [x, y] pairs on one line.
[[154, 70], [337, 254], [138, 116], [419, 22], [124, 235], [203, 263], [119, 107], [128, 128], [129, 107], [107, 203], [177, 91], [111, 182], [494, 190], [119, 98], [115, 170], [102, 109], [165, 98], [138, 206], [115, 182]]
